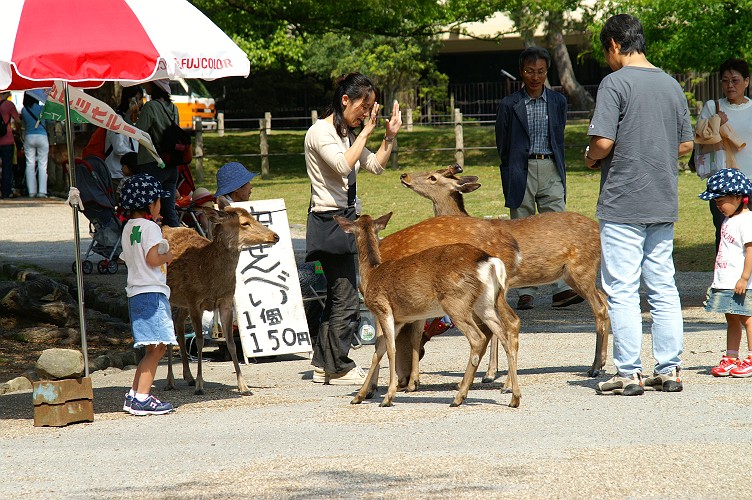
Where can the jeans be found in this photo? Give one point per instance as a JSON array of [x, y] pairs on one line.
[[6, 156], [341, 316], [631, 252], [36, 149]]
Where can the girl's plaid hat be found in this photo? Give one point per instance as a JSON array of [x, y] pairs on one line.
[[727, 181], [139, 190]]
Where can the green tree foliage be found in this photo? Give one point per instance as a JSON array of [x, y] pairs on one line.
[[688, 35]]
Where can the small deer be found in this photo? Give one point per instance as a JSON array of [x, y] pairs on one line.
[[201, 278], [458, 279], [554, 245]]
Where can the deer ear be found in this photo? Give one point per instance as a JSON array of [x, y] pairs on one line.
[[345, 223], [215, 216], [456, 168], [468, 187], [380, 223]]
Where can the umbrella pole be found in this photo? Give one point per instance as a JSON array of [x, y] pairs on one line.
[[76, 236]]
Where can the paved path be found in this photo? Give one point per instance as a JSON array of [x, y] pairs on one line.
[[297, 439]]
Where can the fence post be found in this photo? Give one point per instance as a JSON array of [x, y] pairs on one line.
[[409, 117], [459, 154], [451, 102], [395, 151], [221, 124], [314, 116], [198, 148], [264, 147], [268, 120]]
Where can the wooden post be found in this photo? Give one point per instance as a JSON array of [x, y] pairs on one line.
[[198, 148], [268, 120], [314, 116], [451, 103], [459, 153], [221, 124], [264, 147], [409, 117], [393, 156]]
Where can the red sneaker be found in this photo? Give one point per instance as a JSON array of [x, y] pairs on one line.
[[743, 369], [724, 367]]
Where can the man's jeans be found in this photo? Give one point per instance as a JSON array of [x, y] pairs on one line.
[[631, 251]]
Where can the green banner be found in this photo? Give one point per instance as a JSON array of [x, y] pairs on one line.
[[55, 111]]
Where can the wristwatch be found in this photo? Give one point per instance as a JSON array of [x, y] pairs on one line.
[[587, 153]]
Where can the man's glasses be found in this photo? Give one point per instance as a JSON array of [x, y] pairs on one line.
[[532, 72]]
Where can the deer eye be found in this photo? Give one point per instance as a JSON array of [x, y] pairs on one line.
[[432, 178]]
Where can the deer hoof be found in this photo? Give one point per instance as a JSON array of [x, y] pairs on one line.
[[244, 392], [371, 392], [593, 372], [515, 403], [488, 380], [199, 392], [357, 400], [169, 387], [386, 404], [412, 387], [455, 404]]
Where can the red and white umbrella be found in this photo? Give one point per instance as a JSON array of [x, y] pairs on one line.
[[88, 42]]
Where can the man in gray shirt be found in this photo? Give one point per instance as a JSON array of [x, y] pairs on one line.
[[639, 129]]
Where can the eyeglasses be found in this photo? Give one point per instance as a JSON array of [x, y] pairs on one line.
[[532, 72], [732, 81]]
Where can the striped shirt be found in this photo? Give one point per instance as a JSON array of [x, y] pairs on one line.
[[537, 123]]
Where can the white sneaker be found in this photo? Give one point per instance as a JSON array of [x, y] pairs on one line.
[[356, 376], [319, 375]]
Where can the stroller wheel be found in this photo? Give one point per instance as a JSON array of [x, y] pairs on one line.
[[102, 266], [87, 266], [112, 267]]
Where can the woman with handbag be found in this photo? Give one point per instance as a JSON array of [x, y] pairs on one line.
[[734, 109], [334, 155]]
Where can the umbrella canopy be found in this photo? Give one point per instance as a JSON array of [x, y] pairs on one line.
[[88, 42], [91, 41]]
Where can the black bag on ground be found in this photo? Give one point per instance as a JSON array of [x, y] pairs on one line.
[[323, 234], [175, 147]]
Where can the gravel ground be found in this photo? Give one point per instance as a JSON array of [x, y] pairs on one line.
[[296, 439]]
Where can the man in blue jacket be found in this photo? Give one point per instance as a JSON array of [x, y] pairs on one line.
[[530, 141]]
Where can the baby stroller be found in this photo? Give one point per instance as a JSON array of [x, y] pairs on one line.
[[94, 182]]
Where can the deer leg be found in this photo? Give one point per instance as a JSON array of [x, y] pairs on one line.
[[368, 389], [225, 312], [508, 333], [404, 358], [387, 326], [478, 343], [586, 287], [415, 330], [197, 327], [179, 323], [493, 362]]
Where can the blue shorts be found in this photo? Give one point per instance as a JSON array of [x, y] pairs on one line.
[[728, 302], [151, 319]]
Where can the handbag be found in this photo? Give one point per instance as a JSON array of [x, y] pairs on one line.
[[323, 234], [706, 159]]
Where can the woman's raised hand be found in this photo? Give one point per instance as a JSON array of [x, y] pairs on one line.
[[370, 123], [395, 122]]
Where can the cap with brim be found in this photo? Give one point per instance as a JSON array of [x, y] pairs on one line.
[[728, 181], [139, 190], [232, 176]]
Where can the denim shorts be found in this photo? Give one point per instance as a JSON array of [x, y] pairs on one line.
[[151, 319], [728, 302]]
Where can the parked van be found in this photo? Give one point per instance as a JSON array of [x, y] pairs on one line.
[[193, 100]]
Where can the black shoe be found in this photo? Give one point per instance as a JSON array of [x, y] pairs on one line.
[[566, 298], [525, 302]]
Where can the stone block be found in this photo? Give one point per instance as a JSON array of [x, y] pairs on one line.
[[60, 363], [61, 402]]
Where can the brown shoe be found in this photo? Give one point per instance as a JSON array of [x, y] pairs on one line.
[[566, 298], [525, 302]]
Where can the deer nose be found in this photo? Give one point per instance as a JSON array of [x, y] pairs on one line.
[[403, 176], [276, 238]]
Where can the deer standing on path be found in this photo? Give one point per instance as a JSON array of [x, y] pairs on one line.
[[554, 245], [201, 278], [457, 279]]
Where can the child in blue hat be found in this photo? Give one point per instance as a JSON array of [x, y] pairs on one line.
[[731, 189], [146, 254]]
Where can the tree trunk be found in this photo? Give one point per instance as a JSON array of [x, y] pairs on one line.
[[579, 98]]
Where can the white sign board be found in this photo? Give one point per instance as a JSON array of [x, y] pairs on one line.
[[268, 301]]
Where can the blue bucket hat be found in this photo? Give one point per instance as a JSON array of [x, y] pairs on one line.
[[232, 176], [727, 181], [139, 190]]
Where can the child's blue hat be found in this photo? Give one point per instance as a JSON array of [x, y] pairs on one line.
[[139, 190], [232, 176], [727, 181]]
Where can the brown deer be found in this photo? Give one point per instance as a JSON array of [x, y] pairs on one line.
[[457, 279], [201, 278], [554, 245]]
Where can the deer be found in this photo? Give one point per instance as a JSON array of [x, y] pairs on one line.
[[456, 279], [201, 278], [554, 245]]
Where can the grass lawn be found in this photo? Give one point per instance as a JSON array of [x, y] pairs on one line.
[[427, 148]]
